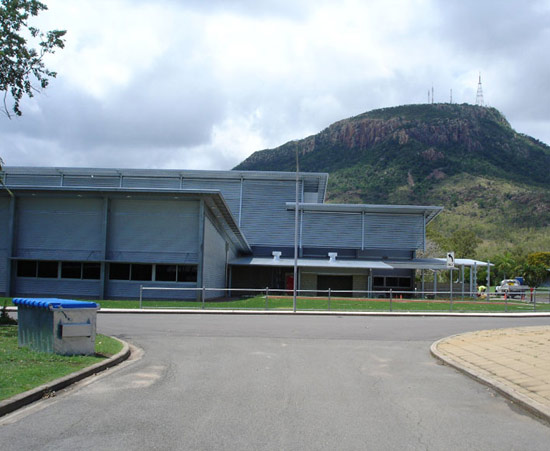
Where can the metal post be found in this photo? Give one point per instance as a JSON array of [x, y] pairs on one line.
[[505, 302], [423, 289], [266, 297], [451, 289], [140, 295], [475, 277], [391, 300], [203, 295], [462, 272], [329, 299], [435, 283], [488, 297], [296, 233], [535, 300]]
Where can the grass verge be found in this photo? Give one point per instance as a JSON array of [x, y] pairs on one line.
[[340, 304], [468, 305], [23, 369]]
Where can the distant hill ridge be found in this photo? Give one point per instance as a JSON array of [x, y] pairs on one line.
[[464, 157]]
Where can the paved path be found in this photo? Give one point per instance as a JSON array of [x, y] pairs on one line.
[[280, 382], [516, 361]]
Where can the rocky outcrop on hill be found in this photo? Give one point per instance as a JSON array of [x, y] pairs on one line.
[[428, 154]]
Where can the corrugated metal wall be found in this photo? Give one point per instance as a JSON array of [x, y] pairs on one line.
[[4, 228], [331, 230], [265, 219], [214, 270], [386, 231], [59, 229], [128, 289], [230, 189], [83, 289], [153, 231]]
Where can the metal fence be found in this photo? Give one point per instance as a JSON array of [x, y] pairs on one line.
[[342, 300]]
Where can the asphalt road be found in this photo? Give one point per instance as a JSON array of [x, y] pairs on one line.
[[236, 382]]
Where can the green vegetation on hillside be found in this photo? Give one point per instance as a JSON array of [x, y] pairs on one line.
[[490, 179]]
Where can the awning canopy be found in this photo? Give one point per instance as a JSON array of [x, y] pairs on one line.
[[310, 263], [434, 264]]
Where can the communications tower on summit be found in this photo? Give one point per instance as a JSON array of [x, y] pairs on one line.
[[479, 95]]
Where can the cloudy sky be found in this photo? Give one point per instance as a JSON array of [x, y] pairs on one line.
[[201, 84]]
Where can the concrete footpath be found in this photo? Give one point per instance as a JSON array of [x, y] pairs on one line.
[[515, 362]]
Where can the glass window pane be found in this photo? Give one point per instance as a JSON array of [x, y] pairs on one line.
[[91, 271], [391, 282], [142, 272], [378, 281], [71, 270], [119, 271], [47, 270], [187, 273], [26, 268], [404, 282], [166, 273]]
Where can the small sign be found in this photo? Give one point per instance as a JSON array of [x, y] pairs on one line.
[[450, 259]]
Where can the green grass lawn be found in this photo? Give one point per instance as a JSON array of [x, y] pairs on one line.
[[338, 304], [23, 369]]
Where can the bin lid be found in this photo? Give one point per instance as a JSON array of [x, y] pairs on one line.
[[53, 303]]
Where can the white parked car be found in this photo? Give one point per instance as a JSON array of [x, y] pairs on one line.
[[512, 287]]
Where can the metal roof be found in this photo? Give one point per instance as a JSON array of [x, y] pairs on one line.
[[429, 212], [417, 263], [212, 198], [320, 177], [310, 263]]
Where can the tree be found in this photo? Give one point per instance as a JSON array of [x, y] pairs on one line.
[[22, 69], [539, 258], [464, 243], [534, 275]]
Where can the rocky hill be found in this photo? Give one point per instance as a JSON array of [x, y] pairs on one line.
[[491, 179]]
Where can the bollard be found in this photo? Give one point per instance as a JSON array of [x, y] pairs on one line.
[[329, 299], [266, 297]]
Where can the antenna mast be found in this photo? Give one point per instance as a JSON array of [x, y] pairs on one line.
[[479, 95]]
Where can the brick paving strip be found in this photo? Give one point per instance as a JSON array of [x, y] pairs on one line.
[[515, 362]]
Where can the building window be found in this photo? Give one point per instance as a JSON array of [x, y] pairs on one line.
[[47, 270], [144, 272], [141, 272], [91, 271], [176, 273], [404, 282], [187, 273], [26, 268], [166, 273], [119, 271], [71, 270]]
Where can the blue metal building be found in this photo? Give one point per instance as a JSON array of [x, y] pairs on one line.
[[101, 233]]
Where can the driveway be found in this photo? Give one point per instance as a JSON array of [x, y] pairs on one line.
[[242, 382]]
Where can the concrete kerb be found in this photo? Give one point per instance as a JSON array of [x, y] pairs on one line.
[[22, 399], [197, 311], [533, 407], [315, 312]]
